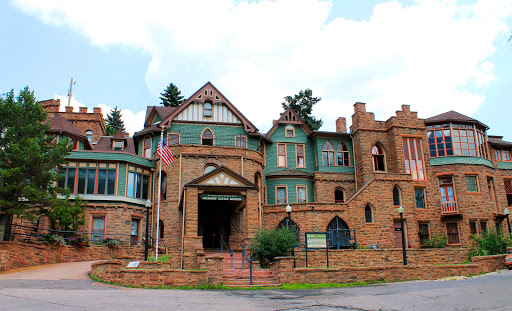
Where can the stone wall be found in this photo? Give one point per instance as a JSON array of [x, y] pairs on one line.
[[15, 254]]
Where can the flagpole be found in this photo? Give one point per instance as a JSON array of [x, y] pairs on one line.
[[159, 189]]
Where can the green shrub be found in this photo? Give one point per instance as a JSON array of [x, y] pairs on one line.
[[492, 242], [161, 258], [436, 241], [270, 243], [111, 242], [54, 239]]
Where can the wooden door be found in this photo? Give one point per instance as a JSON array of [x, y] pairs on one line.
[[398, 233]]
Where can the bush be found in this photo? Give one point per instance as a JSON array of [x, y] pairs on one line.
[[54, 239], [492, 242], [161, 258], [270, 243], [437, 241], [111, 242], [79, 241]]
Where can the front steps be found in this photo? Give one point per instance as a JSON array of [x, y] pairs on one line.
[[237, 277]]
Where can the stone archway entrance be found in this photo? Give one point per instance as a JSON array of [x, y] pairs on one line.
[[220, 217]]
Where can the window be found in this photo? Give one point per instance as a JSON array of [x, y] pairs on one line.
[[508, 190], [423, 232], [207, 137], [368, 214], [492, 193], [328, 154], [506, 155], [161, 228], [483, 226], [89, 134], [457, 139], [282, 197], [147, 147], [173, 139], [98, 228], [208, 109], [396, 196], [299, 151], [413, 158], [471, 184], [342, 155], [138, 183], [117, 145], [497, 152], [289, 131], [339, 196], [452, 231], [338, 233], [86, 178], [301, 194], [261, 147], [447, 195], [163, 187], [289, 223], [419, 194], [66, 178], [106, 179], [135, 231], [209, 168], [281, 155], [241, 141], [473, 229], [378, 159]]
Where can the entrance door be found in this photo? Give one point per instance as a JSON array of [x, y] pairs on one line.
[[218, 221], [398, 233]]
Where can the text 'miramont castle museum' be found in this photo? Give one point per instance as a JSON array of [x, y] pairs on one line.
[[229, 179]]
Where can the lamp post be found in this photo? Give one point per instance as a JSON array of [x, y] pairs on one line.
[[146, 242], [507, 213], [289, 211], [404, 251]]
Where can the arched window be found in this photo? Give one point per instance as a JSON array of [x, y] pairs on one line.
[[328, 154], [397, 201], [368, 214], [208, 168], [342, 155], [163, 187], [161, 228], [147, 147], [378, 158], [207, 137], [289, 223], [89, 133], [338, 233], [339, 196]]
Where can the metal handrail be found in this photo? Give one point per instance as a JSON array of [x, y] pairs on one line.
[[222, 244], [249, 259]]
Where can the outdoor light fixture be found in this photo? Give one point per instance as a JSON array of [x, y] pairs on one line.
[[146, 242], [507, 213], [404, 251], [288, 209]]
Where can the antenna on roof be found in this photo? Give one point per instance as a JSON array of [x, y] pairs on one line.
[[70, 92]]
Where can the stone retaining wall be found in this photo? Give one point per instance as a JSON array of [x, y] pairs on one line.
[[17, 254]]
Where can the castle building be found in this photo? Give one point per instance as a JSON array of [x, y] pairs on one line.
[[229, 180]]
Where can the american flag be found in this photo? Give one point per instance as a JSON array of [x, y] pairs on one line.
[[165, 153]]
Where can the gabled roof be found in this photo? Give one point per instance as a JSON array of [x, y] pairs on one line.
[[289, 117], [59, 124], [217, 97], [222, 177], [105, 145], [498, 141], [453, 116], [153, 111]]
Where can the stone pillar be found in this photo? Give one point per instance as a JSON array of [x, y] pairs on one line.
[[97, 110], [83, 109], [282, 269], [341, 125], [214, 269], [69, 108]]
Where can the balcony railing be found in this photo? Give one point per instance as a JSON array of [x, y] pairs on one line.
[[449, 207], [219, 140]]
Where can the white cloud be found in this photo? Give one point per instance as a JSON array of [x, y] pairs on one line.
[[434, 55], [133, 121]]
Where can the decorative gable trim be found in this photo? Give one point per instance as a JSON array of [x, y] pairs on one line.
[[289, 117], [222, 177]]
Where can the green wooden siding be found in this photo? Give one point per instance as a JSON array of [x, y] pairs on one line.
[[292, 184], [121, 179], [460, 160], [505, 165], [319, 143]]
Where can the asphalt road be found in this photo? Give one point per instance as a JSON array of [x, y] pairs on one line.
[[67, 287]]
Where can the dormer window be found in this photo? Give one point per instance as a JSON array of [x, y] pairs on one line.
[[147, 147], [208, 109], [117, 145], [290, 131]]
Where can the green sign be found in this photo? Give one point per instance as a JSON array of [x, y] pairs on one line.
[[316, 240], [221, 197]]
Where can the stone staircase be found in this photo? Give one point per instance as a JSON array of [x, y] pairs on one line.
[[238, 277]]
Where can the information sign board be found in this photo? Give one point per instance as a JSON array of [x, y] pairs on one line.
[[316, 240]]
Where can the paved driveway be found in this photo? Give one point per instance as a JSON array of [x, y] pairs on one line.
[[67, 287]]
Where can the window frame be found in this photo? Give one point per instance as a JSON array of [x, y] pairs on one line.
[[416, 199], [448, 206], [212, 138], [328, 154], [208, 111], [241, 141], [285, 187], [427, 235], [507, 183], [413, 158], [305, 193], [342, 194], [476, 185], [172, 137], [378, 155], [459, 139], [284, 155], [137, 183], [448, 233], [288, 128], [370, 220], [397, 196], [297, 157], [342, 149], [96, 232], [147, 149]]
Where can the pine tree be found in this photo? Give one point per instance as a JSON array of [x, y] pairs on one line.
[[302, 104], [114, 122], [171, 97], [28, 157]]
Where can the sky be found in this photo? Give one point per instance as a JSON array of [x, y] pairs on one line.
[[434, 55]]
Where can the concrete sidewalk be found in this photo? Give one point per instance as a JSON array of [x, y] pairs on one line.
[[59, 271]]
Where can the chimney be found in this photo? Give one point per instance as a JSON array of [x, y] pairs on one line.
[[83, 109], [69, 108], [406, 108], [341, 125], [359, 107], [97, 110]]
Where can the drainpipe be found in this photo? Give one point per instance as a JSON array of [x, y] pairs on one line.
[[354, 153], [183, 225]]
